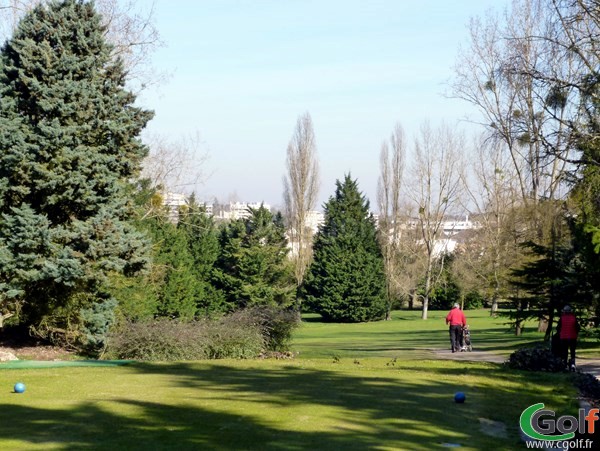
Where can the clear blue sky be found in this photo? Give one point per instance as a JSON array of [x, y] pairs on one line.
[[243, 71]]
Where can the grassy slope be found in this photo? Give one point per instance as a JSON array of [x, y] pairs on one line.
[[374, 395]]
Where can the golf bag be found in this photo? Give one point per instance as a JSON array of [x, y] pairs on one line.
[[466, 340], [556, 345]]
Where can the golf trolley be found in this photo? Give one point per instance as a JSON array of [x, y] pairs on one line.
[[466, 340]]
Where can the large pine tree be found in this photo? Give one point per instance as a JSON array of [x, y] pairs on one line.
[[346, 281], [69, 148]]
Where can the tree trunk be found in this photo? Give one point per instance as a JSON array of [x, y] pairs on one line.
[[494, 308], [543, 325]]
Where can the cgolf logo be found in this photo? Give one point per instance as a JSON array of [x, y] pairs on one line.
[[540, 424]]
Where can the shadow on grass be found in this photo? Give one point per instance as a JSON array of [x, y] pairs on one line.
[[346, 410]]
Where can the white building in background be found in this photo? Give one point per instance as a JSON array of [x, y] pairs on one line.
[[453, 227], [314, 219], [173, 202], [240, 210], [208, 208], [444, 246]]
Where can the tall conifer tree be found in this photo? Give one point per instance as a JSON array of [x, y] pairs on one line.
[[69, 148], [346, 281]]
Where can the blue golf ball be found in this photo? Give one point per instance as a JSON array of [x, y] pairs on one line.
[[460, 397], [19, 387]]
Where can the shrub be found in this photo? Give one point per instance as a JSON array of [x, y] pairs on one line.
[[243, 334], [160, 339], [535, 359], [474, 300], [276, 325], [233, 336], [588, 386], [444, 296], [169, 340]]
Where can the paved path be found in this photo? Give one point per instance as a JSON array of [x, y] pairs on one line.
[[584, 364], [588, 365], [475, 355]]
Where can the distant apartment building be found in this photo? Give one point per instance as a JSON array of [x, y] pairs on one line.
[[314, 219], [454, 231], [174, 202], [452, 227], [240, 210]]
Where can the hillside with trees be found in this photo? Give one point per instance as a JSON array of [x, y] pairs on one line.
[[90, 247]]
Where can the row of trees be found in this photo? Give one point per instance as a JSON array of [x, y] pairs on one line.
[[532, 73], [531, 184], [201, 268], [84, 240]]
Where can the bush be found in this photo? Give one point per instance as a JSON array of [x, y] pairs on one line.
[[588, 386], [244, 334], [474, 300], [444, 296], [234, 336], [535, 359], [160, 339], [276, 325], [169, 340]]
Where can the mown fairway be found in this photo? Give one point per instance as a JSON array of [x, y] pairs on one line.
[[406, 336], [344, 400]]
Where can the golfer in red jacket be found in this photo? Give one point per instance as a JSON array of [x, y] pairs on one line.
[[568, 329], [456, 319]]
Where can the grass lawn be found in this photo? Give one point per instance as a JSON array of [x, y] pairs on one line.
[[406, 336], [353, 387]]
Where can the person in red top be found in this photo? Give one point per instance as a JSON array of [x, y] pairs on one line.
[[456, 319], [567, 330]]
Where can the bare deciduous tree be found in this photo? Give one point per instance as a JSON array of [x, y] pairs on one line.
[[435, 189], [174, 166], [533, 75], [496, 75], [301, 188], [493, 196], [129, 28], [388, 197]]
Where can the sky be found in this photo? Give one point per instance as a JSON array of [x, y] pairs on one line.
[[241, 72]]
